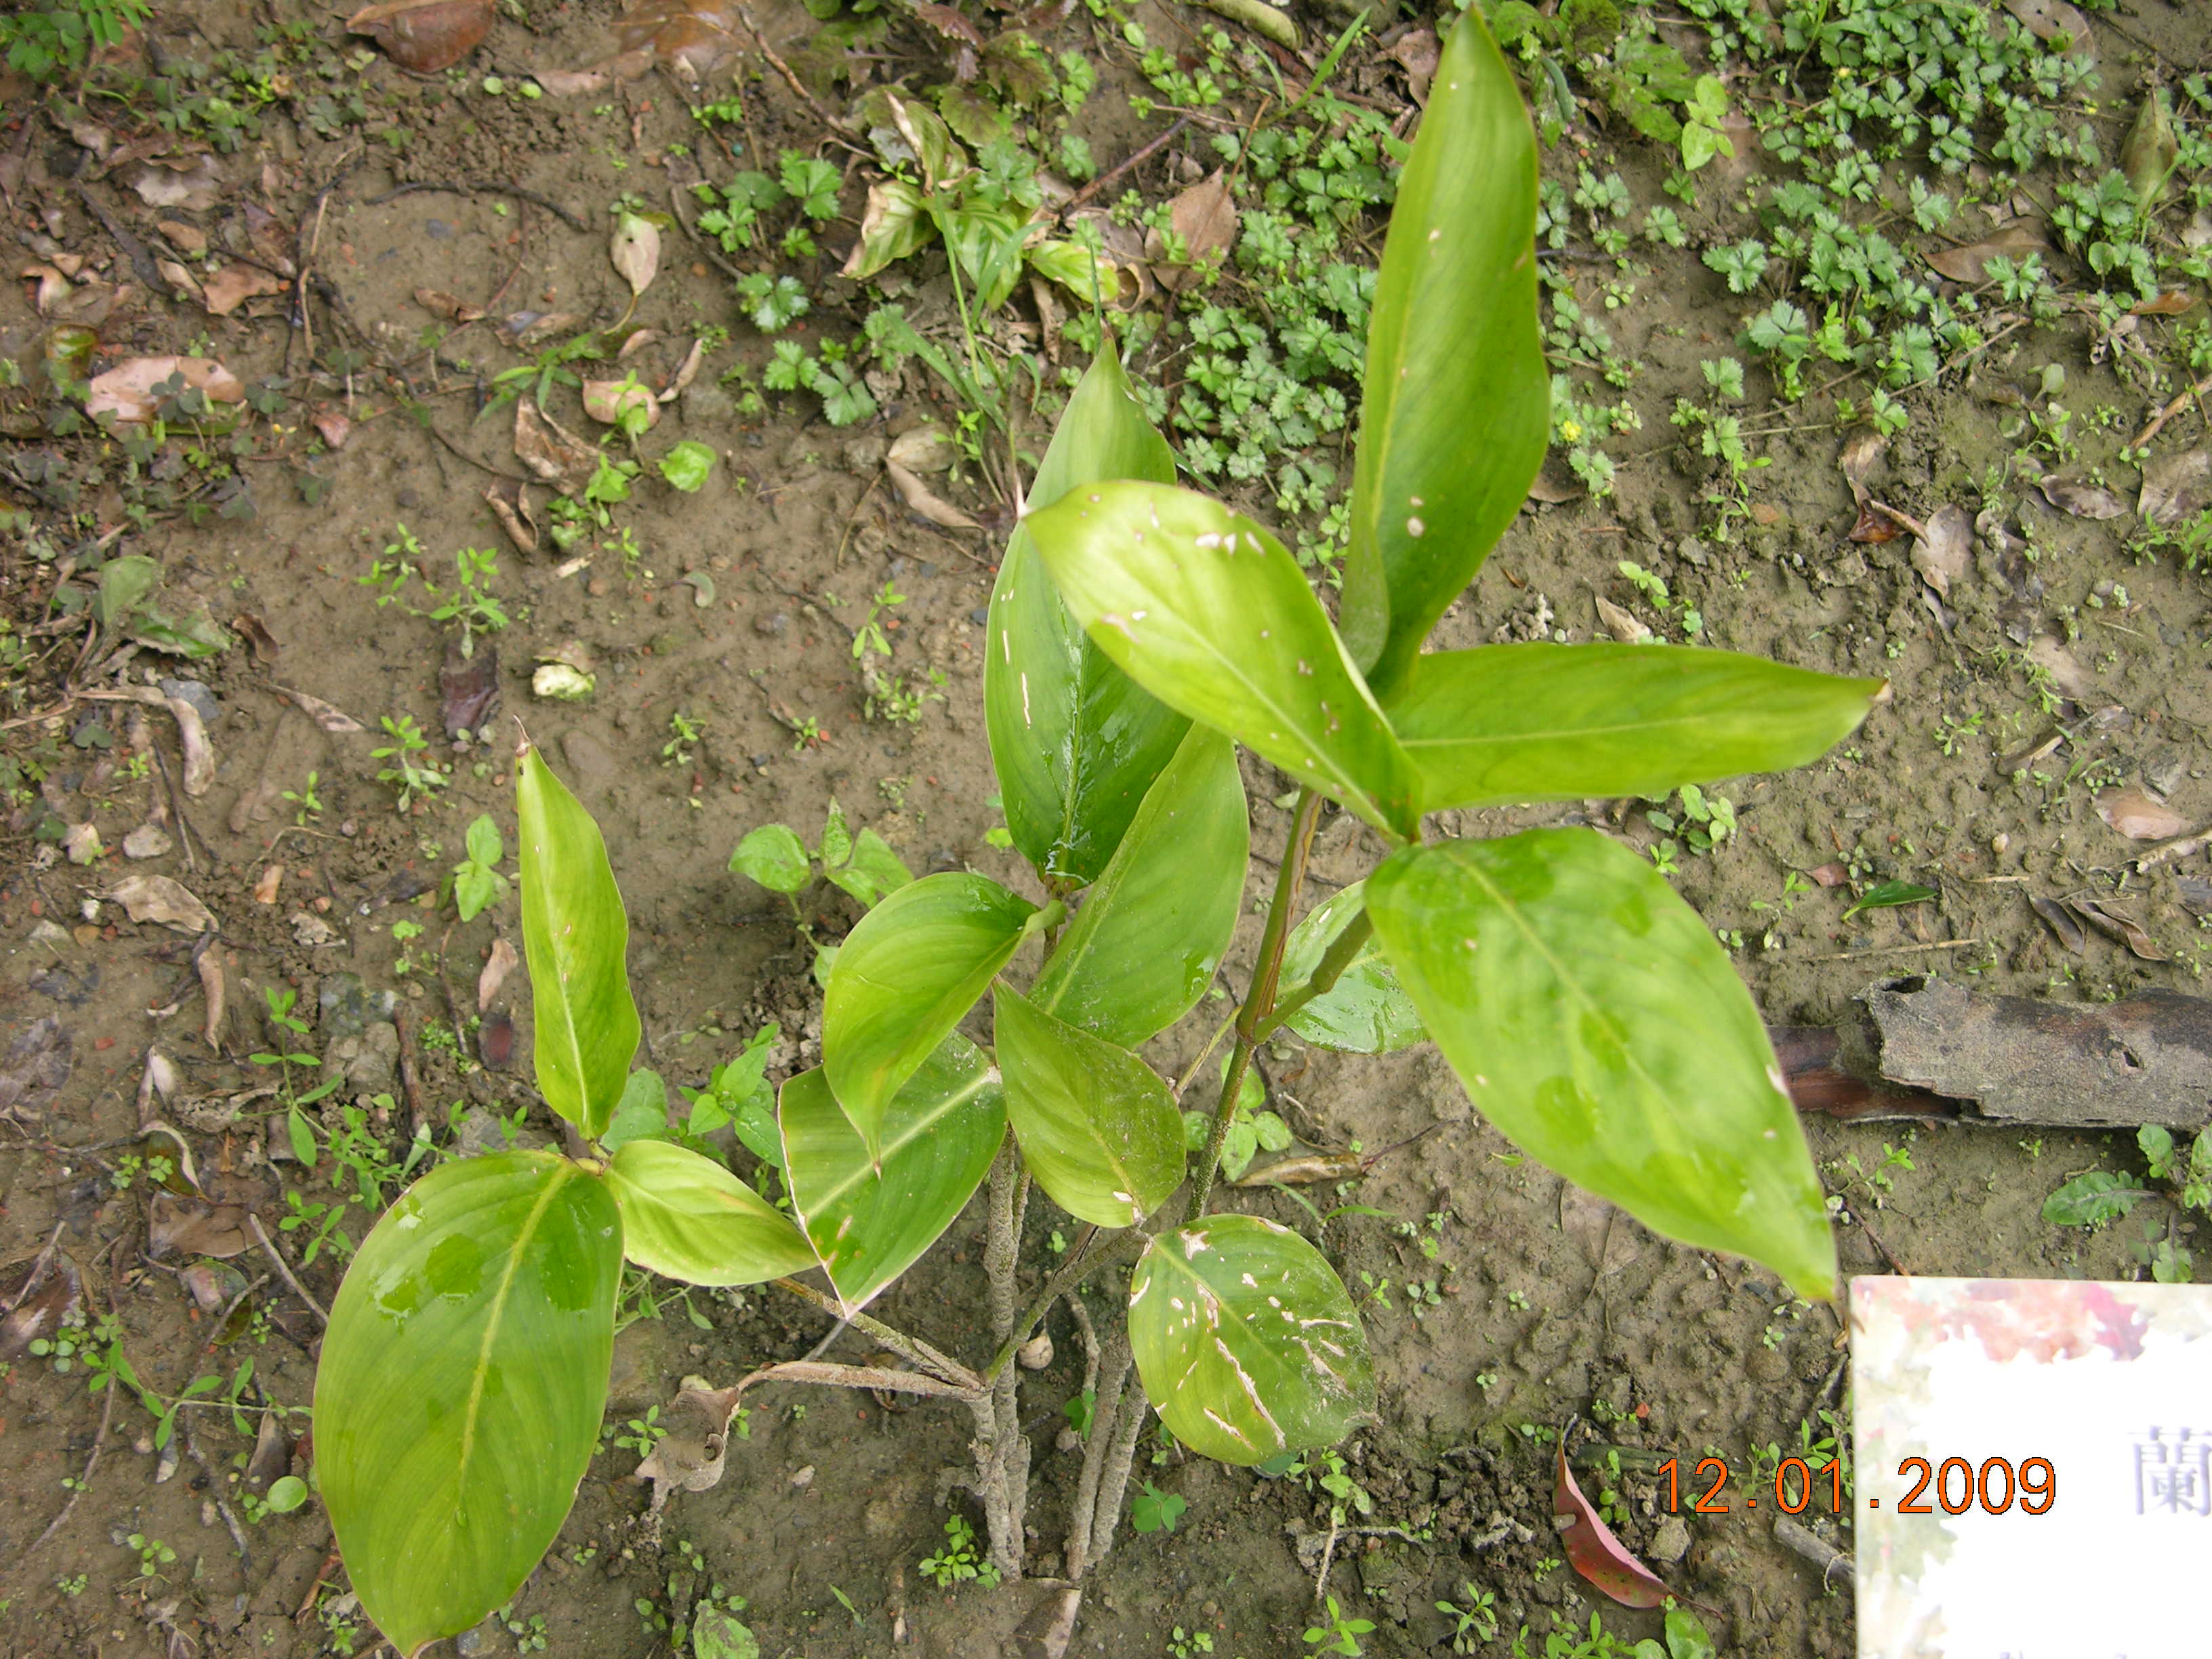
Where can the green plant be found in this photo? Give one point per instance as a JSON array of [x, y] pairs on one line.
[[1340, 1634], [278, 1003], [307, 803], [1155, 1510], [406, 774], [1183, 1644], [60, 37], [153, 1556], [959, 1559], [470, 601], [1474, 1623], [475, 881], [1137, 634]]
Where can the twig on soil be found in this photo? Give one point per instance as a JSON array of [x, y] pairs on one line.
[[1112, 1376], [1803, 1540], [229, 1308], [269, 1248], [1112, 173], [1895, 950], [573, 220], [1859, 1220], [99, 1442], [912, 1349], [1328, 1556], [496, 471], [859, 1376], [2170, 411]]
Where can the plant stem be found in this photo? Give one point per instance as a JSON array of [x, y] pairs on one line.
[[1260, 999], [1125, 1243], [1337, 957], [912, 1349], [1105, 1415]]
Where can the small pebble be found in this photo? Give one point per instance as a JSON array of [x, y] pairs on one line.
[[804, 1478]]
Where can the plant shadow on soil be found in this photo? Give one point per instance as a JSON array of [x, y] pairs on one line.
[[1501, 1304]]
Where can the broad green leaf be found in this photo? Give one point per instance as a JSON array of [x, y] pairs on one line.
[[1592, 1017], [575, 937], [462, 1380], [1209, 613], [1504, 724], [1888, 895], [1075, 742], [893, 226], [642, 1114], [1246, 1340], [1455, 411], [2087, 1200], [869, 1224], [688, 1217], [773, 856], [871, 871], [904, 977], [1097, 1126], [687, 464], [1151, 930], [1366, 1011]]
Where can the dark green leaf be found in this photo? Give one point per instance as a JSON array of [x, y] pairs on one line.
[[2087, 1200], [1097, 1126], [1595, 1020], [1366, 1011], [1151, 930], [686, 1217], [1246, 1340], [461, 1383], [1210, 614], [870, 1224], [576, 939], [1502, 724], [1887, 894], [773, 856], [904, 977], [1075, 742], [1455, 412]]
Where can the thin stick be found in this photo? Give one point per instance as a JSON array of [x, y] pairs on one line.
[[2159, 420], [99, 1441], [1115, 172], [1895, 950], [1127, 1243], [269, 1248], [912, 1349], [858, 1376], [488, 187], [228, 1309], [792, 80]]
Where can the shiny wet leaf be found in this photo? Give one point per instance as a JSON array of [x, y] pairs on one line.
[[686, 1217], [1366, 1011], [461, 1383]]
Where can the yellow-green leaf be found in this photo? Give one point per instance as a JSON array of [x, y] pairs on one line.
[[1455, 414], [1151, 930], [868, 1222], [1210, 613], [688, 1217], [1592, 1017], [1504, 724], [460, 1386], [1246, 1340], [1095, 1125]]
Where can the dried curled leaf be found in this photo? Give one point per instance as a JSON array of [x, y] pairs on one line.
[[128, 392], [551, 452], [2176, 487], [2137, 816], [1945, 552], [425, 36], [161, 899], [635, 251], [1594, 1553], [2080, 498], [917, 496]]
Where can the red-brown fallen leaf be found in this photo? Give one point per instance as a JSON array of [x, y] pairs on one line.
[[2046, 20], [450, 307], [1594, 1553], [1945, 552], [947, 23], [2175, 487], [2080, 498], [424, 36], [2172, 303], [2139, 817], [1416, 52], [692, 37], [1204, 218], [1874, 527], [1970, 264], [1830, 875], [126, 391]]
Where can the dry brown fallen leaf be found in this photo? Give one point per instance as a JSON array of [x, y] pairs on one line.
[[329, 716], [511, 507], [38, 1303], [916, 495], [192, 732], [1554, 490], [197, 186], [450, 307], [1621, 624], [424, 36], [2137, 816], [686, 371], [1204, 218], [608, 401], [2170, 303], [1416, 52], [2046, 20], [2062, 923], [498, 966], [2175, 487], [693, 37], [1970, 264], [636, 251], [215, 993], [191, 1226], [53, 287], [272, 878], [2116, 924], [161, 899], [551, 452], [127, 391], [2073, 682], [924, 449], [689, 1458], [1946, 553], [570, 83], [37, 1065], [2080, 498], [234, 284]]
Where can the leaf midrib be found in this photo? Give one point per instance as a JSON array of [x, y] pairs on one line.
[[561, 1176], [864, 1171]]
